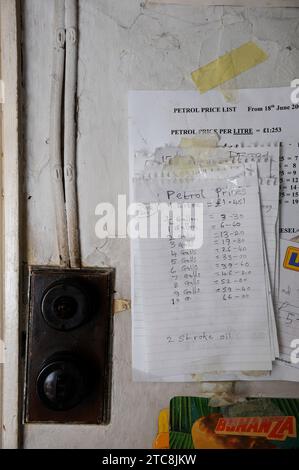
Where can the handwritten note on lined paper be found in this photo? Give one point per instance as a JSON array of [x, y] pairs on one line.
[[205, 309]]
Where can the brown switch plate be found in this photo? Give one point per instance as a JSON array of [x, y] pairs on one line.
[[69, 347]]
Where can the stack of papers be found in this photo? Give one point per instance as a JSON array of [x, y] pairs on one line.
[[226, 309], [208, 309]]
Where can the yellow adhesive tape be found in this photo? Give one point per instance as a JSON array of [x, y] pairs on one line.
[[228, 66], [121, 305], [195, 142]]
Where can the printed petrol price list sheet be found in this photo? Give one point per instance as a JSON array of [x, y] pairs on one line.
[[257, 117]]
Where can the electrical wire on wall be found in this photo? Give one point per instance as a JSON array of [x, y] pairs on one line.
[[64, 78], [55, 132], [70, 130]]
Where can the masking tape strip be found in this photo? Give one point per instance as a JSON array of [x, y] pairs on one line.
[[228, 66], [198, 142], [121, 305], [198, 150]]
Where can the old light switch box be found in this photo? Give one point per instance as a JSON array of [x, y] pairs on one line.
[[69, 347]]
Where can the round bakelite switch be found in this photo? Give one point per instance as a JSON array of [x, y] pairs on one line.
[[62, 383], [65, 306]]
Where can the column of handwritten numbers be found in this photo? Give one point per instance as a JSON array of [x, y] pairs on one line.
[[189, 262], [190, 274], [289, 177], [173, 268], [231, 260], [184, 268]]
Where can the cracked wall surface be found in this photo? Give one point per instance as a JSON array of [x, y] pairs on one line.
[[126, 45]]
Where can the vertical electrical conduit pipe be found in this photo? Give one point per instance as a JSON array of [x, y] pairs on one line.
[[55, 132], [70, 131]]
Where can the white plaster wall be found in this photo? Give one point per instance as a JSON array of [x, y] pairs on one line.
[[126, 44]]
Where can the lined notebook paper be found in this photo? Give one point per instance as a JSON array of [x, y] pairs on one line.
[[206, 309]]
